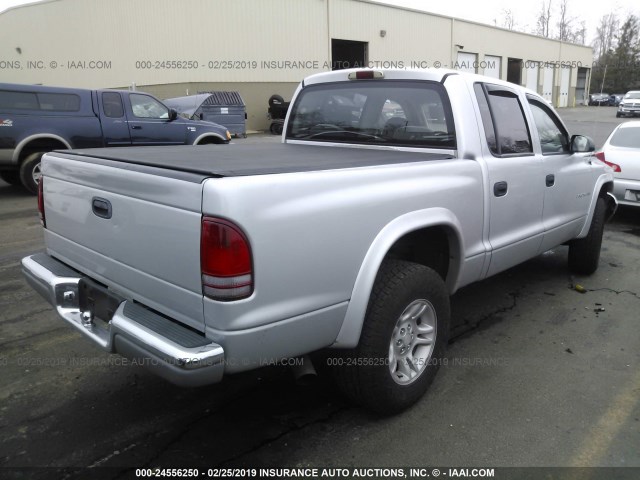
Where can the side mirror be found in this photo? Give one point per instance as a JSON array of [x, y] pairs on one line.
[[173, 114], [582, 144]]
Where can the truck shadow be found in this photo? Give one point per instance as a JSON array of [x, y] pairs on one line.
[[13, 191]]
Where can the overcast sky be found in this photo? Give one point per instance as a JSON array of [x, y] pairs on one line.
[[488, 11]]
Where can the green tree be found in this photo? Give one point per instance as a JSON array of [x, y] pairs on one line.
[[624, 73], [617, 67]]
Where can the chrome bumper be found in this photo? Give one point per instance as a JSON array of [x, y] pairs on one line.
[[172, 351]]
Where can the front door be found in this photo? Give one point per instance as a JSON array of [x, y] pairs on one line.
[[567, 177], [149, 122]]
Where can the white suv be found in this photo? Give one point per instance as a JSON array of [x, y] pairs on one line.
[[630, 104]]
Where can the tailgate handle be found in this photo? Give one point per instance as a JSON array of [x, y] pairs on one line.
[[101, 207]]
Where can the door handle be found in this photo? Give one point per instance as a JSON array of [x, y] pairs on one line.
[[550, 180], [101, 207], [136, 127], [500, 189]]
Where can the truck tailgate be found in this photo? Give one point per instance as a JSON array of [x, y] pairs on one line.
[[131, 230]]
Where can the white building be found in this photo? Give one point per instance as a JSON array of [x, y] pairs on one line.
[[262, 47]]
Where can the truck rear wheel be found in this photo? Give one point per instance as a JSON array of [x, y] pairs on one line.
[[584, 253], [403, 339], [30, 172]]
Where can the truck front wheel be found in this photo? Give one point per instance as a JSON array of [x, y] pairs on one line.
[[30, 172], [403, 339], [584, 253]]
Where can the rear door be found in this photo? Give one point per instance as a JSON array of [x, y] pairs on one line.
[[515, 178], [567, 177], [113, 119], [149, 122]]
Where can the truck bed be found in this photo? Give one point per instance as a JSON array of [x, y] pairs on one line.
[[244, 160]]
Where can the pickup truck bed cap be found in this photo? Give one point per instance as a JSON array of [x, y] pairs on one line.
[[244, 160]]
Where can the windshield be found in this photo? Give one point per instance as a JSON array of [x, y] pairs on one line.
[[632, 95], [388, 112], [628, 137]]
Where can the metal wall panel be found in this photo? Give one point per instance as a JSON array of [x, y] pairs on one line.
[[98, 44]]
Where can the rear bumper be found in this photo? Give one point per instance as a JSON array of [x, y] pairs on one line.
[[627, 192], [172, 351]]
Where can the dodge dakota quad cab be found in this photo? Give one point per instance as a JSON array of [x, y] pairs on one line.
[[37, 119], [390, 190]]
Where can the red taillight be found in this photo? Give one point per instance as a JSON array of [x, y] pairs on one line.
[[615, 166], [225, 261], [43, 220], [365, 75]]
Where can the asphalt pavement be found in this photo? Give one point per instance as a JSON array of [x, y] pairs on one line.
[[537, 374]]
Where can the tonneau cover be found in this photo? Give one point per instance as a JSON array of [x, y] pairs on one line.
[[235, 160]]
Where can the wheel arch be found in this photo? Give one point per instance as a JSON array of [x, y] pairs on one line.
[[42, 142], [209, 139], [400, 239], [603, 188]]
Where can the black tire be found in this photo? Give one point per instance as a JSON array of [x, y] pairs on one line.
[[275, 100], [29, 169], [365, 375], [11, 177], [584, 253]]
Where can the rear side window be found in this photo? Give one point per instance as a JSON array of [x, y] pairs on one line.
[[507, 131], [60, 102], [628, 137], [112, 105], [379, 112], [18, 100]]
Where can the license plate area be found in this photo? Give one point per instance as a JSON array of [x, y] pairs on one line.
[[98, 300]]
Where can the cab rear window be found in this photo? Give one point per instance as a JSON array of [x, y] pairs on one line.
[[385, 112]]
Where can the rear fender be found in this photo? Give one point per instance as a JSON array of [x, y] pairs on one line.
[[41, 136], [433, 217]]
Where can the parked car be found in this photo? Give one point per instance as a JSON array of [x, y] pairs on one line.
[[38, 119], [630, 104], [391, 189], [614, 99], [621, 152], [599, 99]]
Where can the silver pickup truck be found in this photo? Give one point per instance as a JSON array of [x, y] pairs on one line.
[[391, 189]]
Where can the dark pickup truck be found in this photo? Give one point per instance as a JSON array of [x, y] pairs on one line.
[[38, 119]]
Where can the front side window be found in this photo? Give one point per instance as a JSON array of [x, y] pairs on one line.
[[144, 106], [381, 112], [553, 137]]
